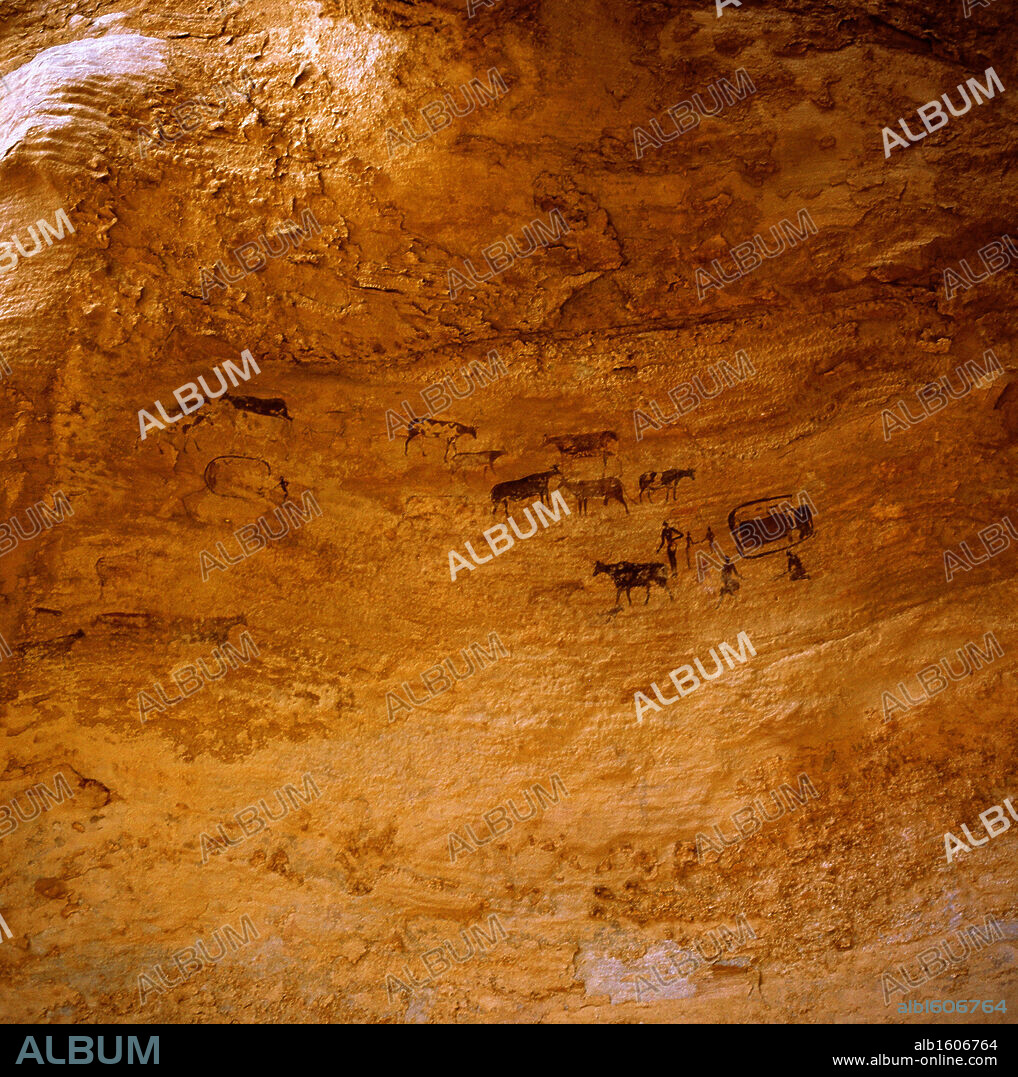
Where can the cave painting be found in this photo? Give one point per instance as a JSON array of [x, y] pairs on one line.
[[245, 478], [581, 445], [769, 525], [794, 568], [521, 489], [670, 536], [485, 460], [437, 428], [273, 406], [729, 583], [584, 489], [626, 575], [665, 480]]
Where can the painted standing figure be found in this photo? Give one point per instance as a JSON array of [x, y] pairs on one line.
[[671, 536], [729, 584]]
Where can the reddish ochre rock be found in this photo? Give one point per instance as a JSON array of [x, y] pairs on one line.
[[255, 716]]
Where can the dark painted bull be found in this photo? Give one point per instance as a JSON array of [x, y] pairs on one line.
[[626, 575], [535, 485]]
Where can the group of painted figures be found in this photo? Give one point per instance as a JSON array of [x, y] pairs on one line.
[[750, 535], [730, 575]]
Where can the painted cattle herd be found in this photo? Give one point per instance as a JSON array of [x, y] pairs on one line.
[[783, 526]]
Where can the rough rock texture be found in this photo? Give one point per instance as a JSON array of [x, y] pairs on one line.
[[304, 111]]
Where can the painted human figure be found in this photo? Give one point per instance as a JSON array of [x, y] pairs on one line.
[[729, 584], [795, 568], [689, 545], [709, 538], [671, 536]]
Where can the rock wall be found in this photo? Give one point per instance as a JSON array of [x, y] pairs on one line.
[[294, 754]]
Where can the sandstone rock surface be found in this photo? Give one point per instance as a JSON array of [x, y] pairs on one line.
[[262, 177]]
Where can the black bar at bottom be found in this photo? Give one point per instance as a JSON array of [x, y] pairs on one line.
[[823, 1048]]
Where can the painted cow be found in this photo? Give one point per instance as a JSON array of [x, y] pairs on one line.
[[584, 489], [626, 575], [581, 445], [535, 485], [666, 480]]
